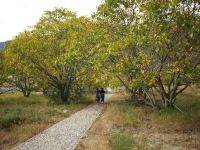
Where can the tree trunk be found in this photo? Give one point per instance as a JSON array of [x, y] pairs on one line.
[[25, 87], [27, 94], [64, 91], [25, 90]]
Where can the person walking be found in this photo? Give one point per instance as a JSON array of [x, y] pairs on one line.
[[102, 93], [98, 95]]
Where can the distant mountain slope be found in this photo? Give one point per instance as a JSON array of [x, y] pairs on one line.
[[2, 44]]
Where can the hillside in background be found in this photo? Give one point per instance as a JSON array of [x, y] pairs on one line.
[[2, 44]]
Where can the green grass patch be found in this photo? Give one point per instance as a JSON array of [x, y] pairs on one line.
[[120, 141], [16, 109], [125, 114], [189, 103], [22, 117]]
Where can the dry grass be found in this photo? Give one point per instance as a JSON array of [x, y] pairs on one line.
[[19, 134], [124, 126], [21, 118]]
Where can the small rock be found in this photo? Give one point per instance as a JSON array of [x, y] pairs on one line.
[[65, 111], [149, 126]]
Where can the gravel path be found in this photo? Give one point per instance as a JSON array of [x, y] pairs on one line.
[[66, 134]]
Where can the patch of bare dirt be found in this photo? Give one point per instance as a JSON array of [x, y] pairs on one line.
[[96, 138]]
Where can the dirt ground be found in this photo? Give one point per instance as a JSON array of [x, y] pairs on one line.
[[96, 138], [149, 136]]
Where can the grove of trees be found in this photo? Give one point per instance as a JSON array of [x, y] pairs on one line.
[[151, 47]]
